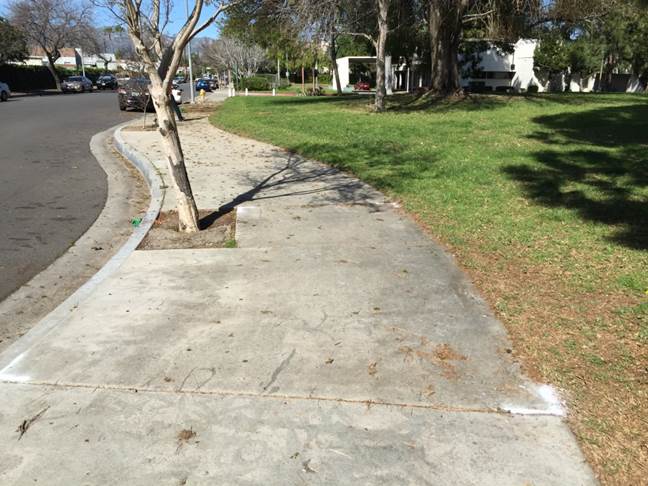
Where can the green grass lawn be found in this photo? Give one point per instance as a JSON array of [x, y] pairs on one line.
[[544, 200]]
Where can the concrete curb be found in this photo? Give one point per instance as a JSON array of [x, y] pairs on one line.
[[16, 351]]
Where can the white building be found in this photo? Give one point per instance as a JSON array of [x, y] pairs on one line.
[[71, 58], [496, 71], [349, 71], [502, 71]]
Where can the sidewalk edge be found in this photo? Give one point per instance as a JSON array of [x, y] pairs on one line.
[[16, 351]]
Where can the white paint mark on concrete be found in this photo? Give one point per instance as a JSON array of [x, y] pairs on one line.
[[5, 375], [548, 394]]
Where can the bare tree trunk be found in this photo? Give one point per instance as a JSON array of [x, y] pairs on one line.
[[333, 55], [52, 70], [186, 204], [445, 26], [381, 87], [302, 81]]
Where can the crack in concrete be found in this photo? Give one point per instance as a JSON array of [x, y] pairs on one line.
[[279, 369], [239, 394]]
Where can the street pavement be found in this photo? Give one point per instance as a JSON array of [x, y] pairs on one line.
[[337, 344], [51, 187]]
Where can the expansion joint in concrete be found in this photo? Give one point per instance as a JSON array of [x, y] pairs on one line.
[[369, 403]]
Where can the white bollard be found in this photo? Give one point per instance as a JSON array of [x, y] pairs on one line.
[[246, 91], [274, 93]]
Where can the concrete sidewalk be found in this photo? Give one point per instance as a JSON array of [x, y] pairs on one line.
[[337, 344]]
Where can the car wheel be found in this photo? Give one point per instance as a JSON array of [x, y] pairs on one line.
[[3, 96], [122, 107]]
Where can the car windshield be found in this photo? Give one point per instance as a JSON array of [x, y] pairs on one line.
[[74, 78]]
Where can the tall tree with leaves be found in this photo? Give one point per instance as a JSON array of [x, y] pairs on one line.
[[445, 23], [370, 19], [13, 46], [320, 22]]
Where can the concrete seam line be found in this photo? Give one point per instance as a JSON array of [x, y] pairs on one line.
[[235, 394], [17, 350]]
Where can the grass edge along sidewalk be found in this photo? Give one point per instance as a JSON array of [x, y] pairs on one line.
[[543, 200]]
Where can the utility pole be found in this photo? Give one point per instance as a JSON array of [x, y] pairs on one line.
[[191, 83]]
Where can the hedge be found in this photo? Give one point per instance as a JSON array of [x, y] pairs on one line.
[[34, 78], [256, 83]]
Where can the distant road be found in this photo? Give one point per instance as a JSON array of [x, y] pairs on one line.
[[51, 187]]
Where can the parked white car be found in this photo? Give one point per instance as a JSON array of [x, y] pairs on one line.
[[5, 92]]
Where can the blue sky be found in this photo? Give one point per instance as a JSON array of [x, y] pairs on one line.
[[104, 18]]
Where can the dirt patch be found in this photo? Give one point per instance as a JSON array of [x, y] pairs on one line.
[[441, 355], [185, 436], [445, 352], [217, 231], [206, 108]]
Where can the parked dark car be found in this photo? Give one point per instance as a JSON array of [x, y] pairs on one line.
[[213, 83], [107, 81], [134, 95], [362, 86], [76, 84], [203, 84]]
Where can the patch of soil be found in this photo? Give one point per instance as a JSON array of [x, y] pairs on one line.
[[199, 108], [445, 352], [217, 231]]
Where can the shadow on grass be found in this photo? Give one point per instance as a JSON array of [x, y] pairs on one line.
[[472, 102], [386, 165], [426, 101], [595, 163]]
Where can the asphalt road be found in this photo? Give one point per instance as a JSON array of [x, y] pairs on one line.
[[51, 187]]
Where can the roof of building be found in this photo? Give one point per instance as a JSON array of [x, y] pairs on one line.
[[64, 52]]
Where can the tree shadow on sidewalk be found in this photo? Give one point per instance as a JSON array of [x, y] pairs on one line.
[[596, 164], [297, 177]]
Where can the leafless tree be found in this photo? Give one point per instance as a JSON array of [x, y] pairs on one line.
[[235, 55], [161, 55], [52, 25]]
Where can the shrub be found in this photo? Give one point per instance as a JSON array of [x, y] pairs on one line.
[[533, 88], [324, 78], [256, 83]]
